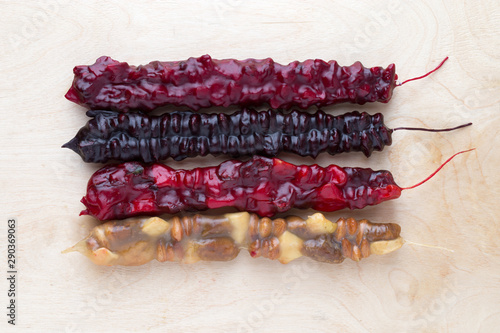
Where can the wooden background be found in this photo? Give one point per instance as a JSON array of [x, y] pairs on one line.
[[416, 289]]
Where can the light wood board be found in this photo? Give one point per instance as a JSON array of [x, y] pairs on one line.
[[416, 289]]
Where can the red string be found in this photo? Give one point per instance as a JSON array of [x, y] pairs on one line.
[[432, 175], [429, 73]]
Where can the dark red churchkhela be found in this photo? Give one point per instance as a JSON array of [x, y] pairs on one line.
[[204, 82], [134, 136], [138, 137], [261, 185]]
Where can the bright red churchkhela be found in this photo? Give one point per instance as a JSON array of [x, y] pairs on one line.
[[265, 186]]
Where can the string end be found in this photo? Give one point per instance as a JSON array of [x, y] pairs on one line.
[[437, 170], [425, 75]]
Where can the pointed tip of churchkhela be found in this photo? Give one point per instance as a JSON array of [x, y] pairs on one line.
[[72, 144], [72, 95], [78, 247], [100, 256]]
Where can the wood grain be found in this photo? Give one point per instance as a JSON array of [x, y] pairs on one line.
[[415, 289]]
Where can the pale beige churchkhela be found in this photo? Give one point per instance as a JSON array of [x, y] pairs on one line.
[[189, 239]]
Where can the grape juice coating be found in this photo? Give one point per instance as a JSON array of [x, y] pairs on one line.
[[204, 82], [261, 185], [139, 137]]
